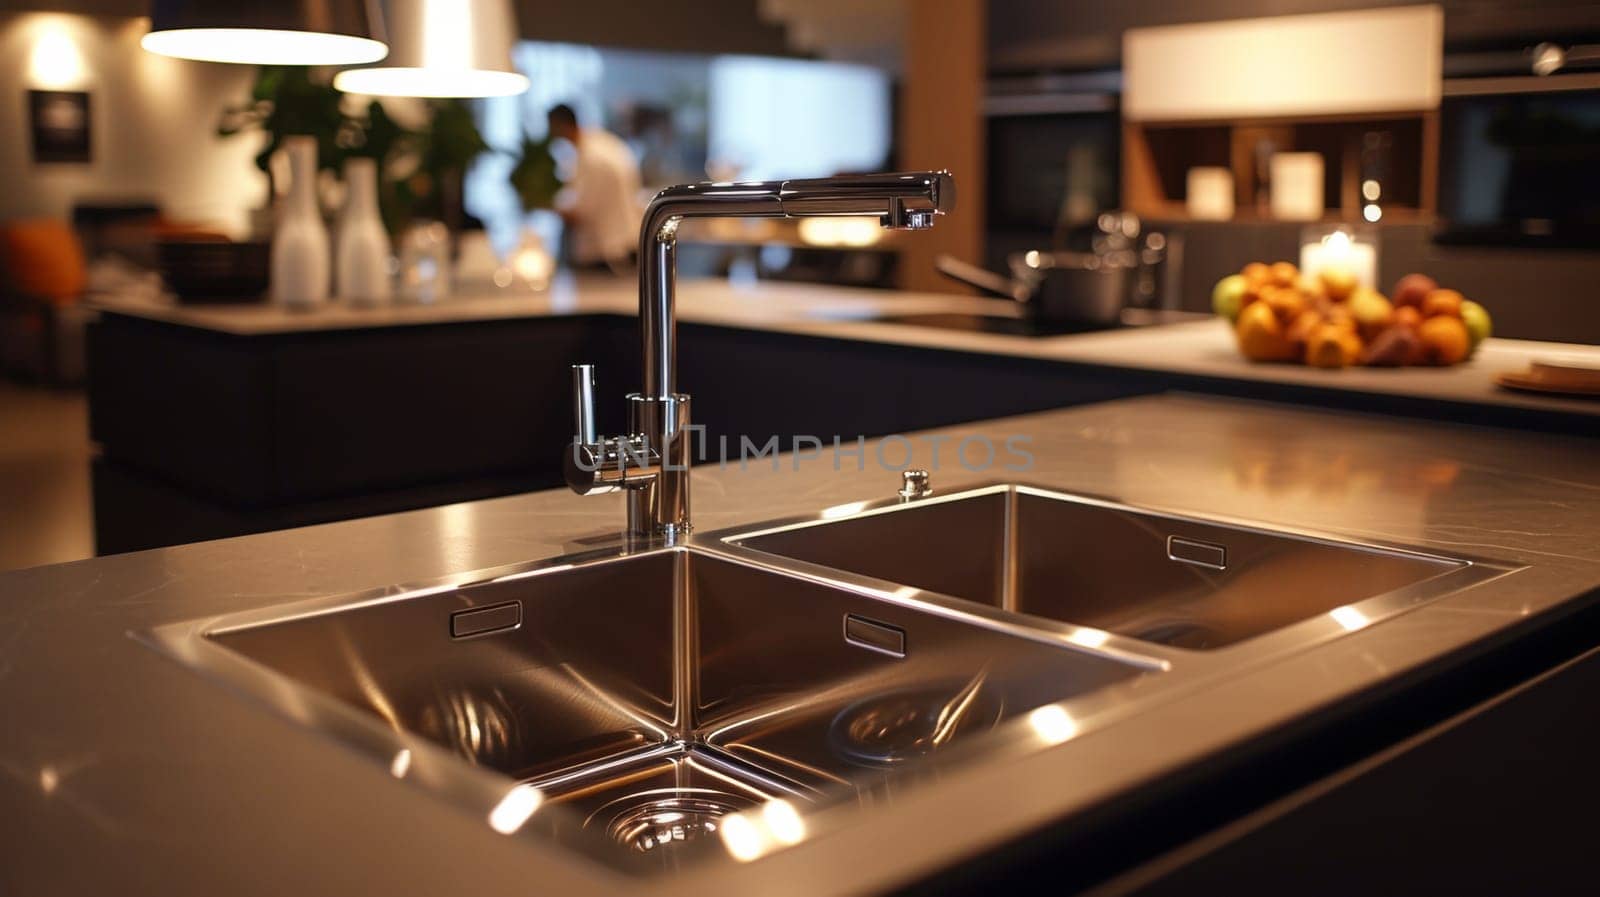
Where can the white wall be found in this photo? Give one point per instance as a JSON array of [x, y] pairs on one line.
[[152, 130]]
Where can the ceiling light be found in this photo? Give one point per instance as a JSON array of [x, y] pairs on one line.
[[266, 32], [443, 48]]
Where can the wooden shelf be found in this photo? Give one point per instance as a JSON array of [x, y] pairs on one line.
[[1177, 212], [1157, 156]]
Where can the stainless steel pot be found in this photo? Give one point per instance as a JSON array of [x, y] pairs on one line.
[[1056, 286]]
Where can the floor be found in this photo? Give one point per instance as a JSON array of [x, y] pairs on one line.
[[46, 516]]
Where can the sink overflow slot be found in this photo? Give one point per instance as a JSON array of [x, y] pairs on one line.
[[484, 620], [875, 636], [1200, 554]]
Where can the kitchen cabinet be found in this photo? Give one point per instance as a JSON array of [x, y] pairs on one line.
[[205, 434]]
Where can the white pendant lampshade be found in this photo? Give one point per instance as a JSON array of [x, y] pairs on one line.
[[443, 48], [266, 32]]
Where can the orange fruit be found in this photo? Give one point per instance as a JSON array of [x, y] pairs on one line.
[[1256, 275], [1442, 302], [1332, 346], [1300, 330], [1285, 302], [1261, 336], [1446, 339]]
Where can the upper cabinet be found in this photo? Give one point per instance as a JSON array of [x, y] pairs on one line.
[[1325, 64]]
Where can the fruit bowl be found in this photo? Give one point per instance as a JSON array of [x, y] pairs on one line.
[[1329, 320]]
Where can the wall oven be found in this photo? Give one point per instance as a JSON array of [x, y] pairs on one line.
[[1054, 153], [1519, 161]]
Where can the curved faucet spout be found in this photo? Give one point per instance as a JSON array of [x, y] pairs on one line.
[[905, 200]]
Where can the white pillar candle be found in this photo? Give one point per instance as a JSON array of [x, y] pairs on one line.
[[1296, 186], [1338, 250], [1210, 193]]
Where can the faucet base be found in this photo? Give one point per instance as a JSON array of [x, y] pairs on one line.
[[660, 507]]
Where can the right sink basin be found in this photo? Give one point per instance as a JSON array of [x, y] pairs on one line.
[[1154, 577]]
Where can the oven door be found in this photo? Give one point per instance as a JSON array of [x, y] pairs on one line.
[[1054, 164]]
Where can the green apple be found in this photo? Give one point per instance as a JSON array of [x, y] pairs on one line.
[[1227, 297], [1476, 317]]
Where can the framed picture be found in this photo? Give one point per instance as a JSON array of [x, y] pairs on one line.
[[60, 123]]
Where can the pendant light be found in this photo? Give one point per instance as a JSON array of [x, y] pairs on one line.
[[267, 32], [443, 48]]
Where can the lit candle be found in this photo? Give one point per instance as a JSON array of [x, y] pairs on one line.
[[1339, 250]]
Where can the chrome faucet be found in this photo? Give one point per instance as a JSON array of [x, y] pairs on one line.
[[652, 461]]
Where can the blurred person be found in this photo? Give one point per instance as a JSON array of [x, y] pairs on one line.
[[600, 204]]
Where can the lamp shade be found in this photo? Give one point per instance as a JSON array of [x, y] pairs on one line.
[[443, 48], [267, 32]]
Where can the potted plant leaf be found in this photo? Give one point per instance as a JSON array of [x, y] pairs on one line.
[[534, 176]]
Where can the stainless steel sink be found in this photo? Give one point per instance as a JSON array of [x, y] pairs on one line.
[[729, 694], [1156, 578], [652, 696]]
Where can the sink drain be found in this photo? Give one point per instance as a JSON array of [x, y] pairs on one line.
[[900, 726], [667, 818]]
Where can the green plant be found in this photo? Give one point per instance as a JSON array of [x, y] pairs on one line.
[[445, 149], [419, 171], [534, 176], [382, 138], [452, 140], [286, 102]]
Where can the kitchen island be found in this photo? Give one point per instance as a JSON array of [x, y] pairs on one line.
[[238, 419], [1190, 345], [174, 784]]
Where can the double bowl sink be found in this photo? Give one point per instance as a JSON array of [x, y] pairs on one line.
[[735, 693]]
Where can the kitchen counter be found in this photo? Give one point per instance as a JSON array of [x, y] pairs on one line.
[[125, 772], [1201, 350]]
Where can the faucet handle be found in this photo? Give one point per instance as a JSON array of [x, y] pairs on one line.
[[583, 404]]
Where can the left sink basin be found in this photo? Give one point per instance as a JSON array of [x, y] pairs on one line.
[[636, 703]]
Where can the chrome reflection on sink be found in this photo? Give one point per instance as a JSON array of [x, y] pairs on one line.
[[635, 706], [1151, 577], [905, 725]]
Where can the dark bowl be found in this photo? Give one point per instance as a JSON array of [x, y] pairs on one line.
[[214, 271]]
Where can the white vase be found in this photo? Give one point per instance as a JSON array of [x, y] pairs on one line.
[[361, 264], [300, 256]]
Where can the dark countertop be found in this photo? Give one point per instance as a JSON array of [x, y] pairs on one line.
[[124, 772]]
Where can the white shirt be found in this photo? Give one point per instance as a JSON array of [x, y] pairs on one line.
[[604, 195]]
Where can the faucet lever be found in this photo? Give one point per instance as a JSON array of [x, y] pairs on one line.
[[583, 404]]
